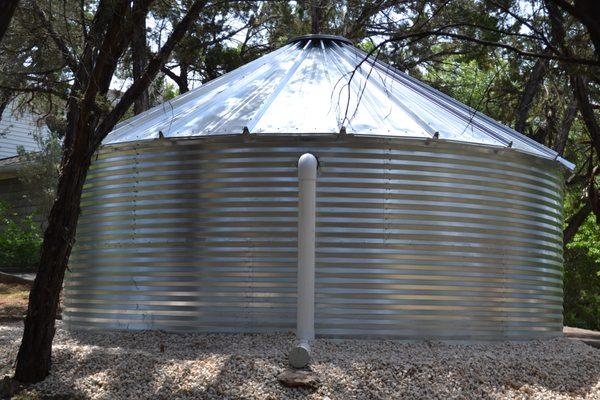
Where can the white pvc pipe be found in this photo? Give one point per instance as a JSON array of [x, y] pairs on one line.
[[305, 328]]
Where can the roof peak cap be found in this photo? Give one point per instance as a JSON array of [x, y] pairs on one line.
[[320, 36]]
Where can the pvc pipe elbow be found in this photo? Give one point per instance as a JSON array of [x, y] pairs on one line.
[[299, 356], [307, 167]]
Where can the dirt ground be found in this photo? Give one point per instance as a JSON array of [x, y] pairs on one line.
[[13, 301]]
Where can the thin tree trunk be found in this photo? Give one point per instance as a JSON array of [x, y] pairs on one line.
[[7, 9], [579, 86], [139, 53], [315, 16], [86, 131], [531, 88], [5, 97], [565, 128], [34, 357], [588, 13], [183, 82]]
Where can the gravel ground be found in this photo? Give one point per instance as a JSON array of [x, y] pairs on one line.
[[158, 365]]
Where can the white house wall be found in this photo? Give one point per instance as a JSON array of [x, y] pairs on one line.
[[17, 129]]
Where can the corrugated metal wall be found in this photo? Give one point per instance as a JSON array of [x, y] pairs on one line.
[[416, 239]]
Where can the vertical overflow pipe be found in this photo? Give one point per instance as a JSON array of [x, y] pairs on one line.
[[305, 329]]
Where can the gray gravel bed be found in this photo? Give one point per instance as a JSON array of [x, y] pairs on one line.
[[158, 365]]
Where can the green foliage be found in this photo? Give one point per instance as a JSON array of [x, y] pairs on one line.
[[581, 288], [39, 172], [488, 88], [221, 59], [366, 45], [21, 237], [582, 271], [169, 92], [587, 241], [20, 240]]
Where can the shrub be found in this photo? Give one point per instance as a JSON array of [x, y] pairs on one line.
[[20, 240], [582, 274]]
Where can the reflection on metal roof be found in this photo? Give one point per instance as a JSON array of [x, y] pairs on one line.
[[319, 84]]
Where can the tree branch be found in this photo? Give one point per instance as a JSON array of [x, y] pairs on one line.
[[579, 85], [588, 13], [146, 78], [531, 88], [58, 40], [440, 32], [169, 73], [565, 127], [575, 221], [34, 89], [7, 10]]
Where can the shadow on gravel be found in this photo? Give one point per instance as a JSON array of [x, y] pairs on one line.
[[164, 366]]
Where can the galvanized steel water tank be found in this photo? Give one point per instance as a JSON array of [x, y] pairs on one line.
[[433, 221]]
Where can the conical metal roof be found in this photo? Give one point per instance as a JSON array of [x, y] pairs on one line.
[[321, 84]]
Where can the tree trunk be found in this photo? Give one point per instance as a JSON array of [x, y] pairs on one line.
[[588, 13], [5, 97], [315, 16], [183, 82], [531, 88], [575, 222], [7, 9], [34, 358], [565, 128], [579, 86], [86, 130], [139, 54]]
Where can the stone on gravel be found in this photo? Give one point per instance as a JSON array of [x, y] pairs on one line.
[[299, 378]]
